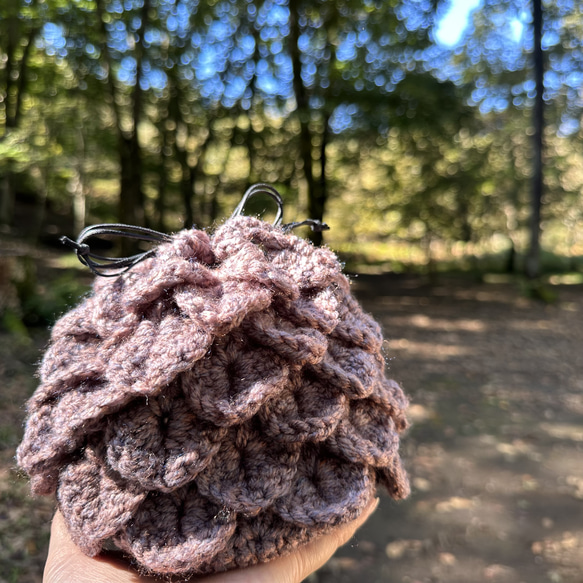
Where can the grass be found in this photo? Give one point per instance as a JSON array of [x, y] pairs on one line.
[[483, 262]]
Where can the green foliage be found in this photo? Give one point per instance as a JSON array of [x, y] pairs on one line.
[[13, 324], [110, 112], [537, 290], [48, 302], [39, 304]]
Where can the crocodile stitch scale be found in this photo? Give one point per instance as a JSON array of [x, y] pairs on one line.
[[218, 405]]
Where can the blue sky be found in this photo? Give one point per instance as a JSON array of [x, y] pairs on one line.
[[450, 28], [455, 20]]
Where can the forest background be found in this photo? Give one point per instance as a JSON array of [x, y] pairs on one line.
[[417, 154]]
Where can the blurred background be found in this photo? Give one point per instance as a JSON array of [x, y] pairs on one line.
[[440, 140]]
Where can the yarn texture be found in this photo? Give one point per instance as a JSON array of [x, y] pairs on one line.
[[218, 405]]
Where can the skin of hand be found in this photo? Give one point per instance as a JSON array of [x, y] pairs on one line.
[[67, 564]]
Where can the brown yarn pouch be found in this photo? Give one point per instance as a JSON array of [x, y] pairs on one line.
[[217, 405]]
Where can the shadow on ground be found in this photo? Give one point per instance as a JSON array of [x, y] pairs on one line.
[[495, 452]]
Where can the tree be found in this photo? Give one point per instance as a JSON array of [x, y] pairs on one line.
[[518, 65], [533, 259], [19, 25]]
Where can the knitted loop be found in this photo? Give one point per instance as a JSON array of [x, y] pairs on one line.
[[307, 410], [159, 444], [327, 491]]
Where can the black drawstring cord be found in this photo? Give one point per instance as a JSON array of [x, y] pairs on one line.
[[315, 225], [261, 188], [112, 267]]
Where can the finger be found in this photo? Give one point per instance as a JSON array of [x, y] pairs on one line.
[[296, 566], [66, 563]]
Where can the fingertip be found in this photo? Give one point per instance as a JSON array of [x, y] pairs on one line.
[[59, 528], [312, 556], [345, 532], [60, 548], [372, 506]]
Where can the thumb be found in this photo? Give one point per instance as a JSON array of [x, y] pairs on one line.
[[66, 563]]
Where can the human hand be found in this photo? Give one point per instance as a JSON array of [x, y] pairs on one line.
[[67, 564]]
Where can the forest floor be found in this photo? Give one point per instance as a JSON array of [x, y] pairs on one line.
[[495, 451]]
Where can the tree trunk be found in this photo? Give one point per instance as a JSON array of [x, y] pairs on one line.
[[189, 172], [12, 36], [162, 178], [23, 76], [194, 172], [533, 258], [131, 199], [79, 199], [510, 263], [187, 179], [252, 135], [303, 112], [6, 199], [15, 86], [6, 190], [41, 202], [79, 183], [213, 205], [129, 209], [317, 204]]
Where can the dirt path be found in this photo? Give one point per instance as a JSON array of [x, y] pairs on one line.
[[495, 453], [496, 450]]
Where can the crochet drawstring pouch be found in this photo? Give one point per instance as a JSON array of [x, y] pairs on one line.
[[215, 402]]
